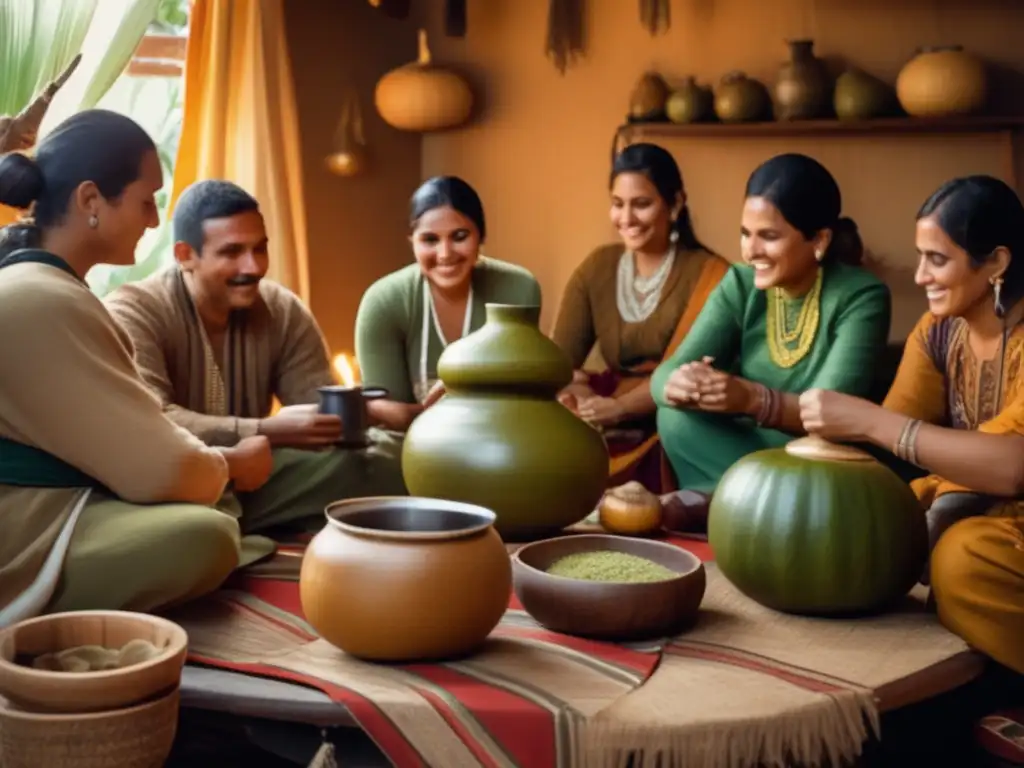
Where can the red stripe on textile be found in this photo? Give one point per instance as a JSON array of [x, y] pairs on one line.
[[377, 725], [724, 657], [643, 662], [513, 721], [455, 722]]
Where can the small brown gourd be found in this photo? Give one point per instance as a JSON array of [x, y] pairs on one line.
[[422, 96], [630, 510]]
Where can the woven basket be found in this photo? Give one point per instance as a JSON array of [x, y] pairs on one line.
[[136, 737]]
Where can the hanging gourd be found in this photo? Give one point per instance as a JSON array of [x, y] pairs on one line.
[[349, 156], [421, 96], [817, 528]]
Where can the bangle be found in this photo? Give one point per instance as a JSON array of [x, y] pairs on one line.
[[770, 402], [906, 445]]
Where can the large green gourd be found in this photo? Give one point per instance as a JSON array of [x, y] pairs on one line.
[[817, 528], [499, 438]]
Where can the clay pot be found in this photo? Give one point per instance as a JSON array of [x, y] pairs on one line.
[[405, 579], [943, 81], [860, 96], [690, 103], [647, 102], [740, 99], [803, 89], [500, 438]]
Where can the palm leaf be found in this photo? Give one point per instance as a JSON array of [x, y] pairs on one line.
[[37, 41]]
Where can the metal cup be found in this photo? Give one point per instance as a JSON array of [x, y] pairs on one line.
[[349, 403]]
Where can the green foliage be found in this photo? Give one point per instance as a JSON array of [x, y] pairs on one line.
[[37, 40]]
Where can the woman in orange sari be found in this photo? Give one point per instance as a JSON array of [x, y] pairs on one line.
[[956, 409], [635, 300]]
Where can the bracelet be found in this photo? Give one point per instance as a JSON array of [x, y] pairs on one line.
[[906, 445], [770, 405]]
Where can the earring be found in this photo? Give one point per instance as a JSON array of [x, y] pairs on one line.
[[997, 299], [673, 237], [93, 221], [819, 255]]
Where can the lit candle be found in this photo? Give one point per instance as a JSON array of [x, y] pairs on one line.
[[345, 371]]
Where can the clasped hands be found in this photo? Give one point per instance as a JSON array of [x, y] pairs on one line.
[[702, 386]]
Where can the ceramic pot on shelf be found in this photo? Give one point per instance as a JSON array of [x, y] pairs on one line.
[[803, 88], [741, 99], [690, 103], [942, 82], [399, 579], [861, 96], [500, 438]]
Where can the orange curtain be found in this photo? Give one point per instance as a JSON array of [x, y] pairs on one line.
[[241, 122]]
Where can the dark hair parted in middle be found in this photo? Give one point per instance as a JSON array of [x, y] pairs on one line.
[[808, 197], [660, 168], [980, 214], [205, 200], [451, 192]]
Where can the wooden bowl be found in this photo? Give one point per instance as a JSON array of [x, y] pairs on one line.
[[140, 736], [606, 611], [37, 690]]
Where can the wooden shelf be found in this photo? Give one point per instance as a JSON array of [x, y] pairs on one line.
[[891, 125]]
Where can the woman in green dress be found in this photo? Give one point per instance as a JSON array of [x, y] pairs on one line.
[[798, 313], [407, 318]]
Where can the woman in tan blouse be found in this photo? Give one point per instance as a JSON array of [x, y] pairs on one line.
[[635, 300]]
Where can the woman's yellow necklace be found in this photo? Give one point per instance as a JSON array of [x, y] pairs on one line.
[[806, 329]]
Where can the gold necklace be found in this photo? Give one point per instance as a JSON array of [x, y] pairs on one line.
[[804, 332]]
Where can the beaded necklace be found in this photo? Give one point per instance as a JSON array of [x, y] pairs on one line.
[[780, 337]]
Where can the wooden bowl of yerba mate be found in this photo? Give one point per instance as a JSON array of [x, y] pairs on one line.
[[603, 587]]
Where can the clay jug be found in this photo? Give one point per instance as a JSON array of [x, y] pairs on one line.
[[860, 96], [405, 579], [740, 99], [802, 90], [941, 82], [647, 102], [499, 438], [689, 103]]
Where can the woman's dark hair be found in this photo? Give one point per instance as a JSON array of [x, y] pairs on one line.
[[807, 196], [450, 191], [103, 147], [660, 168], [980, 214]]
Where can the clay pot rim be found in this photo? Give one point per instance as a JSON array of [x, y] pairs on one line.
[[695, 562], [366, 503]]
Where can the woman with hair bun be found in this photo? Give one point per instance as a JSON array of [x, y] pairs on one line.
[[407, 318], [956, 409], [635, 300], [797, 313], [104, 502]]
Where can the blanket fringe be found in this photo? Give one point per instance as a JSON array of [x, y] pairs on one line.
[[824, 733], [325, 756]]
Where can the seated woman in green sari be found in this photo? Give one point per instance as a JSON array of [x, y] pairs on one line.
[[407, 318], [956, 409], [798, 313]]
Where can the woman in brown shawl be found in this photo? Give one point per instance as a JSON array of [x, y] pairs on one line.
[[635, 300]]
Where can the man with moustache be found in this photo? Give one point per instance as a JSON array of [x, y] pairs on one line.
[[216, 341]]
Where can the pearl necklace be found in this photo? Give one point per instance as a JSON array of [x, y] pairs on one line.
[[635, 295]]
